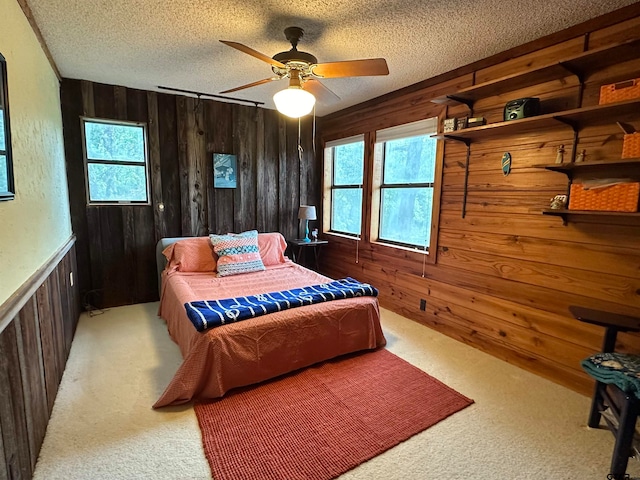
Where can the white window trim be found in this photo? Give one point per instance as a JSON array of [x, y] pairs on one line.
[[328, 187], [86, 161], [427, 126]]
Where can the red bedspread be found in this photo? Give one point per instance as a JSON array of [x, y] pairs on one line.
[[258, 349]]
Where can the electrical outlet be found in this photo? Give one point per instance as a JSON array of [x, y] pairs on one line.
[[423, 304], [71, 279]]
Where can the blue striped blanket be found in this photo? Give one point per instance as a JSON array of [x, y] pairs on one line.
[[205, 314]]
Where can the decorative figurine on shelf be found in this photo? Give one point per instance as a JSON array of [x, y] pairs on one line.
[[558, 202], [581, 157], [314, 234], [560, 154]]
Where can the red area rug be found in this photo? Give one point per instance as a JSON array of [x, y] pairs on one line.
[[320, 422]]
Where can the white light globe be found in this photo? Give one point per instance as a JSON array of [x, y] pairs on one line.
[[294, 102]]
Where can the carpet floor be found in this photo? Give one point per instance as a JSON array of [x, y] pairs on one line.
[[322, 421], [103, 427]]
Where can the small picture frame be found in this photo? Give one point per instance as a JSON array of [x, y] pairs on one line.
[[225, 170]]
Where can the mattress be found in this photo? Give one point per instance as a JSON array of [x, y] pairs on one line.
[[261, 348]]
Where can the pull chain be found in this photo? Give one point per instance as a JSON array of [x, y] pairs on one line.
[[300, 150]]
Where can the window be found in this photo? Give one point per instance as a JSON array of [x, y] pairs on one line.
[[7, 190], [344, 171], [404, 174], [116, 166]]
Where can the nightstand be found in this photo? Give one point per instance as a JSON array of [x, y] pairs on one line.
[[299, 250]]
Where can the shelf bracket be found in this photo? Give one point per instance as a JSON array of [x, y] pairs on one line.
[[465, 101], [466, 179]]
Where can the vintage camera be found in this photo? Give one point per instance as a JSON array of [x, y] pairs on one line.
[[521, 108]]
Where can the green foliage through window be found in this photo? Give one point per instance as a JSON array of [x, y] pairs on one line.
[[346, 190], [116, 162], [406, 192]]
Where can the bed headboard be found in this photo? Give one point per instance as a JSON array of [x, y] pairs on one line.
[[161, 261]]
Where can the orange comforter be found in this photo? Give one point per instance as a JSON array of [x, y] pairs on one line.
[[261, 348]]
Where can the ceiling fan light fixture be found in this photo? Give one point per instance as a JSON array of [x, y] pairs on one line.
[[294, 102]]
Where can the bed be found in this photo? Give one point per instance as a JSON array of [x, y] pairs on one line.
[[257, 349]]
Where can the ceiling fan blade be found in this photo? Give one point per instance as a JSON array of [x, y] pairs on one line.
[[254, 84], [253, 53], [351, 68], [320, 91]]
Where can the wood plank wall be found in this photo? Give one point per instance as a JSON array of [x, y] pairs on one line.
[[116, 244], [505, 275], [34, 347]]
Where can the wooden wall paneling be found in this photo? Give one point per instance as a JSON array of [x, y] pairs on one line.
[[71, 97], [288, 223], [13, 423], [182, 125], [129, 259], [32, 369], [538, 226], [63, 290], [104, 101], [618, 33], [532, 60], [88, 103], [594, 258], [170, 172], [144, 240], [115, 272], [48, 342], [120, 102], [55, 310], [220, 139], [94, 295], [245, 138], [191, 153], [155, 167], [267, 174], [196, 149]]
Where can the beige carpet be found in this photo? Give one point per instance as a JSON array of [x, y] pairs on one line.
[[103, 427]]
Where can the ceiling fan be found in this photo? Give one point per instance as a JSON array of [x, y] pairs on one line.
[[303, 71]]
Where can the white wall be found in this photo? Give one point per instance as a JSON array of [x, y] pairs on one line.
[[37, 223]]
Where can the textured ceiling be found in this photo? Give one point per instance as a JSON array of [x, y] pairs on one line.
[[146, 43]]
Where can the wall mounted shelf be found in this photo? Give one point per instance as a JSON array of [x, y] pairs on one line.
[[577, 119], [625, 218], [582, 66]]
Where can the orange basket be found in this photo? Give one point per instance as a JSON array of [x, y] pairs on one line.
[[631, 145], [622, 197], [618, 92]]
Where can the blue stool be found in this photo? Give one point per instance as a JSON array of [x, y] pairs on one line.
[[617, 378]]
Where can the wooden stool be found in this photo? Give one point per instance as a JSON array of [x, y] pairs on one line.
[[624, 407]]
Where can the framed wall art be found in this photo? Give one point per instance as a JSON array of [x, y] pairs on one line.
[[225, 170]]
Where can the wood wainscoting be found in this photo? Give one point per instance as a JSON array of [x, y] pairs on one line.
[[37, 325], [505, 274]]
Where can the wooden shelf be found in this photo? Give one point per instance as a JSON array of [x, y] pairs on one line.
[[568, 167], [577, 119], [628, 218], [582, 65]]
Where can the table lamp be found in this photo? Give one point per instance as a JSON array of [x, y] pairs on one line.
[[306, 213]]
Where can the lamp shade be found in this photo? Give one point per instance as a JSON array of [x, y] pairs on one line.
[[307, 212], [294, 102]]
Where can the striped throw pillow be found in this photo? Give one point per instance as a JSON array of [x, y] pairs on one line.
[[237, 253]]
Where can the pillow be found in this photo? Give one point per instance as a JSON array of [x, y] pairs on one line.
[[191, 255], [237, 253], [272, 247]]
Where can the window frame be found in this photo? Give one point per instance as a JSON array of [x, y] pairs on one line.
[[330, 187], [428, 126], [87, 161], [10, 193]]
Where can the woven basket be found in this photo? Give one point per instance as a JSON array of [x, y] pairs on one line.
[[616, 198], [631, 146], [618, 92]]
